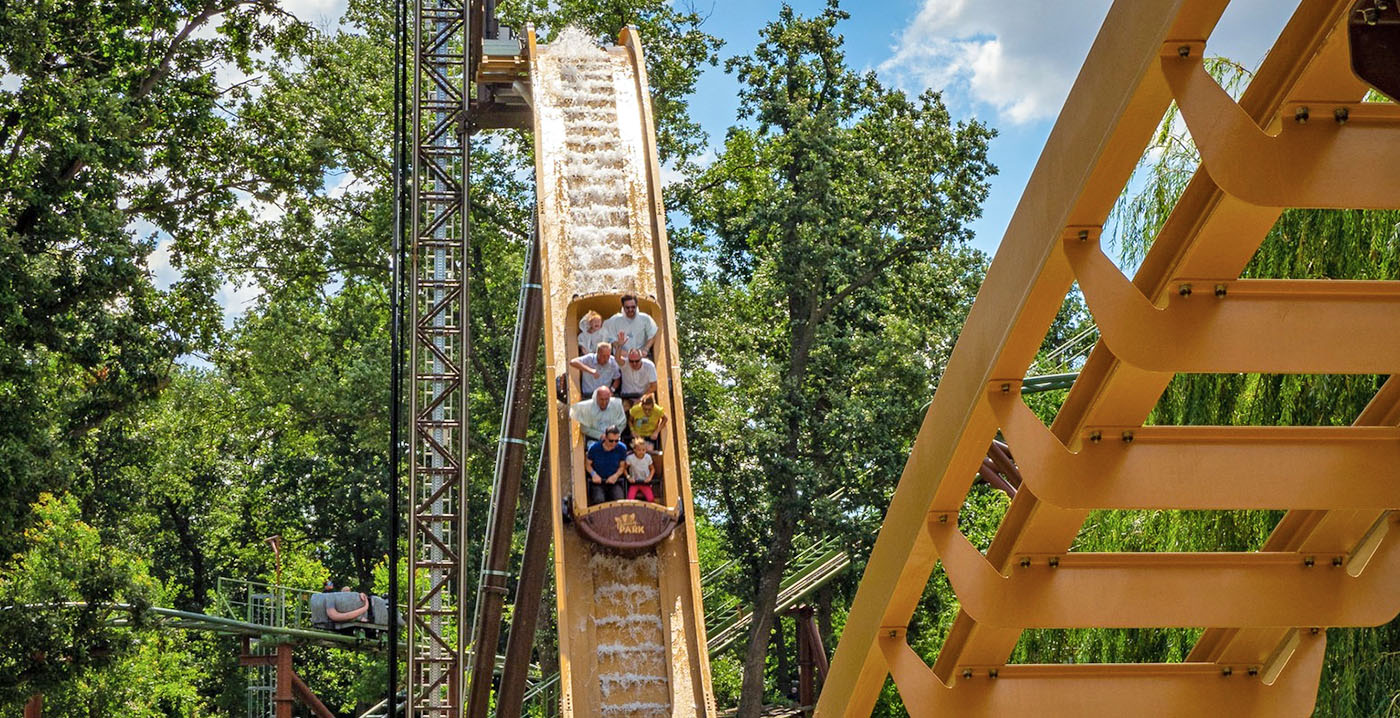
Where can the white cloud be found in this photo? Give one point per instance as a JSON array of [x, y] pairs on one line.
[[670, 174], [1018, 59], [9, 82], [321, 13], [343, 183], [236, 298], [163, 274]]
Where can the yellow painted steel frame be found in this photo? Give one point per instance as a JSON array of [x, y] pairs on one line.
[[1330, 561]]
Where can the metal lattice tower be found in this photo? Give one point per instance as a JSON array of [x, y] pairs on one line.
[[438, 356]]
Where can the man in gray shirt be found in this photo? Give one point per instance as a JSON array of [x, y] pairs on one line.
[[596, 413], [597, 369]]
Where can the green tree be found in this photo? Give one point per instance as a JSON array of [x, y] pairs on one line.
[[119, 128], [830, 274], [257, 149], [56, 598]]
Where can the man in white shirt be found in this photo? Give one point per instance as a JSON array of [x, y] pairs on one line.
[[595, 414], [638, 378], [633, 329], [597, 369]]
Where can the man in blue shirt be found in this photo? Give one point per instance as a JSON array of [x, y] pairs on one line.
[[606, 464]]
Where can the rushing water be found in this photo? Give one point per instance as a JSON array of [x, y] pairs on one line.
[[594, 167], [631, 649]]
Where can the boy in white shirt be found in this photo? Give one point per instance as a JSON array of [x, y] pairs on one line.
[[590, 332]]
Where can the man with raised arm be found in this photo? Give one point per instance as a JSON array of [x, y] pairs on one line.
[[634, 329], [596, 369]]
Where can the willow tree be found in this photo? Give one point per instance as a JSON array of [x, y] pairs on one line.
[[829, 275]]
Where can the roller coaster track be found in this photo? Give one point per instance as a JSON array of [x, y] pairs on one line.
[[122, 615], [810, 569], [1298, 137]]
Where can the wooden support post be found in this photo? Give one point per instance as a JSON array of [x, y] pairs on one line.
[[528, 593], [818, 651], [283, 698], [304, 693], [34, 708], [510, 458], [812, 664], [806, 695]]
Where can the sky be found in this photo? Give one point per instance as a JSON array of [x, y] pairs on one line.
[[1008, 64]]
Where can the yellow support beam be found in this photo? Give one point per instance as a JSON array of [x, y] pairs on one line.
[[1327, 154], [1185, 690], [1203, 467], [1251, 589], [1329, 561], [1325, 326]]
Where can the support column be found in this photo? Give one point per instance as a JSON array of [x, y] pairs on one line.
[[806, 693], [439, 357], [528, 593], [510, 457], [283, 699]]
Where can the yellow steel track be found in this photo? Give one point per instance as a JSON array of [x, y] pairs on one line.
[[1331, 561]]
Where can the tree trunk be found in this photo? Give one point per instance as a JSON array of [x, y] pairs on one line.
[[765, 604], [189, 543], [779, 644], [824, 615]]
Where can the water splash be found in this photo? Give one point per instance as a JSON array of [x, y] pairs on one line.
[[613, 681], [594, 165], [632, 658], [639, 709]]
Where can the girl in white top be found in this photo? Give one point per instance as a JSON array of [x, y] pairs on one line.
[[640, 471], [590, 332]]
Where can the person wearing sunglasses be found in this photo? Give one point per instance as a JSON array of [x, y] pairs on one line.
[[638, 378], [606, 463], [634, 329]]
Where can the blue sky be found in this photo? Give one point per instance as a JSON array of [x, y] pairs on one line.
[[1009, 64]]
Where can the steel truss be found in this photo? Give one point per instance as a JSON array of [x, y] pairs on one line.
[[1334, 558], [439, 350]]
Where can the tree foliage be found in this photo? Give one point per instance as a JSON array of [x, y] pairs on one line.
[[827, 274]]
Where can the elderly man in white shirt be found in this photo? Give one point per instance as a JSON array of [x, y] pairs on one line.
[[638, 378], [634, 329], [595, 414]]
